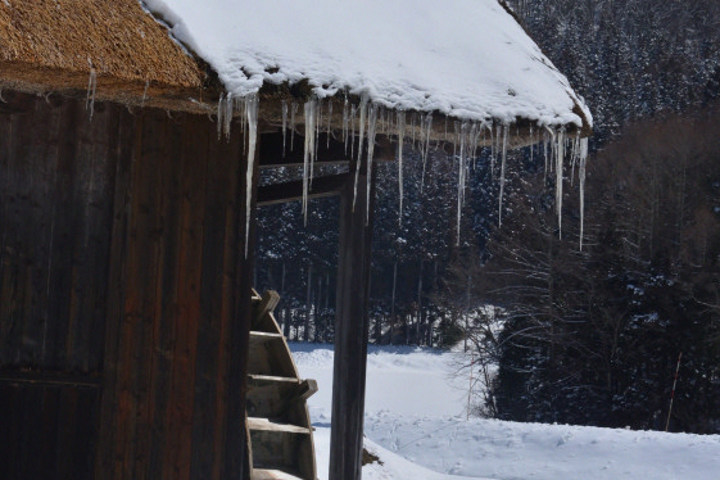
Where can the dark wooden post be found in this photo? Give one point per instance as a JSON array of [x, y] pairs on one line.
[[351, 331]]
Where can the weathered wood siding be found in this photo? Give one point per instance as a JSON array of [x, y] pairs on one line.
[[124, 293]]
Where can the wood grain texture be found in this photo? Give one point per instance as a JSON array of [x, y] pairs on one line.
[[124, 289]]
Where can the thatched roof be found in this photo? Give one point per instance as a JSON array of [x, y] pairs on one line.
[[469, 60], [60, 45], [54, 45]]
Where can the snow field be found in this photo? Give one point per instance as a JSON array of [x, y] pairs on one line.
[[415, 422]]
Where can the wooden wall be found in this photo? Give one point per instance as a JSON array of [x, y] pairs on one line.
[[124, 293]]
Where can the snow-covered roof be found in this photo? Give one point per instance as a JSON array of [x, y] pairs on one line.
[[468, 59]]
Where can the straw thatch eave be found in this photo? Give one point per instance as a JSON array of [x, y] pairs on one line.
[[64, 46], [522, 132], [45, 81], [55, 46]]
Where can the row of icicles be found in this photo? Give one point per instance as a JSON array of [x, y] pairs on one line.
[[366, 120]]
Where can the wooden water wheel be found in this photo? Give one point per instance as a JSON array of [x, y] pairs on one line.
[[280, 441]]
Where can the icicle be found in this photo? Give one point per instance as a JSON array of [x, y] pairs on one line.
[[293, 111], [308, 156], [425, 145], [91, 89], [224, 115], [284, 124], [498, 142], [330, 112], [464, 156], [583, 163], [318, 123], [361, 140], [492, 150], [243, 120], [251, 108], [532, 144], [353, 112], [474, 136], [220, 115], [461, 186], [502, 172], [575, 153], [428, 133], [372, 122], [401, 141], [413, 132], [559, 157], [318, 118], [345, 124], [144, 96], [545, 152]]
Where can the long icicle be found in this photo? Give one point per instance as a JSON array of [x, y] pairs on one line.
[[284, 124], [220, 121], [345, 121], [401, 141], [317, 121], [309, 111], [372, 125], [493, 152], [583, 164], [461, 189], [574, 157], [532, 144], [329, 121], [559, 157], [353, 112], [502, 172], [293, 112], [229, 111], [545, 153], [252, 120], [426, 128], [361, 140], [92, 88]]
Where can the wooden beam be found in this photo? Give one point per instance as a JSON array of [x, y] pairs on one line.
[[351, 331], [292, 191], [274, 155], [41, 378]]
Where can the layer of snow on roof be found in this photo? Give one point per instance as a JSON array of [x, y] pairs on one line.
[[464, 58]]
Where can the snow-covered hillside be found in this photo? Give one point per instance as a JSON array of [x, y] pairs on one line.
[[416, 424]]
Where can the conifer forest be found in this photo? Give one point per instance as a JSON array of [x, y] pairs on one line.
[[574, 330]]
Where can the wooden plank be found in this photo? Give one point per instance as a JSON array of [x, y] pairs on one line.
[[272, 154], [217, 293], [142, 264], [193, 166], [293, 191], [273, 474], [265, 424], [264, 337], [120, 148], [265, 306], [49, 379], [270, 358], [235, 460], [90, 201], [351, 331], [258, 380], [282, 451]]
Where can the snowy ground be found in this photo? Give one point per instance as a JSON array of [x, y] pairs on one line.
[[416, 424]]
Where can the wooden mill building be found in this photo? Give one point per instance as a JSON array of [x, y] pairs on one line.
[[127, 227]]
